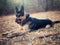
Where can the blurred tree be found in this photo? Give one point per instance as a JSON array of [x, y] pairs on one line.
[[8, 6], [56, 4], [3, 4]]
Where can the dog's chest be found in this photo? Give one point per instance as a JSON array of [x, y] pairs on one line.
[[26, 26]]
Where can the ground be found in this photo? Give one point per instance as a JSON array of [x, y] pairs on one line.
[[44, 36]]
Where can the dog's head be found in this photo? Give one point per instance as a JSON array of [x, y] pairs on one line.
[[20, 16]]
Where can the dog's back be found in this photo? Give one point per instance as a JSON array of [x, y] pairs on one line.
[[36, 23]]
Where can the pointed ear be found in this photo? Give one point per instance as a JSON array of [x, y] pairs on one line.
[[22, 8], [16, 9]]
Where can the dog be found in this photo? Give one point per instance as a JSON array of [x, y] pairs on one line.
[[34, 24]]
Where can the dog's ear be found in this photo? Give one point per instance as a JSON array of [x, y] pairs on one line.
[[16, 9], [22, 8], [21, 11], [17, 12]]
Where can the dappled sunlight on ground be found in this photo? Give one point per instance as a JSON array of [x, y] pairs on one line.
[[44, 36], [55, 15]]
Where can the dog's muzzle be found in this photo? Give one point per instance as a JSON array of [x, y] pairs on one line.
[[18, 20]]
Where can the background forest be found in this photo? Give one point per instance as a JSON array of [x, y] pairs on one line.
[[8, 6]]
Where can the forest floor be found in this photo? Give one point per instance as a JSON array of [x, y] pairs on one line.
[[44, 36]]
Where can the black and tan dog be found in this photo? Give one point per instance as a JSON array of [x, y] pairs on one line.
[[34, 24]]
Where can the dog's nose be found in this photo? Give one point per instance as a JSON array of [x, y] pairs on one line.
[[19, 19]]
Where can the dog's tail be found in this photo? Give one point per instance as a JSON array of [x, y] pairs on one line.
[[55, 22]]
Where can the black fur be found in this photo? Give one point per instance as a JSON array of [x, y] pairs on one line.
[[21, 12], [35, 23]]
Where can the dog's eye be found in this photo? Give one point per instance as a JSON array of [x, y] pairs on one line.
[[17, 15]]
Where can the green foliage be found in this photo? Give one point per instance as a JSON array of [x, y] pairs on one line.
[[3, 3], [26, 3], [30, 5]]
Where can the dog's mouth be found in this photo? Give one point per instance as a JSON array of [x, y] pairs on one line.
[[20, 21]]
